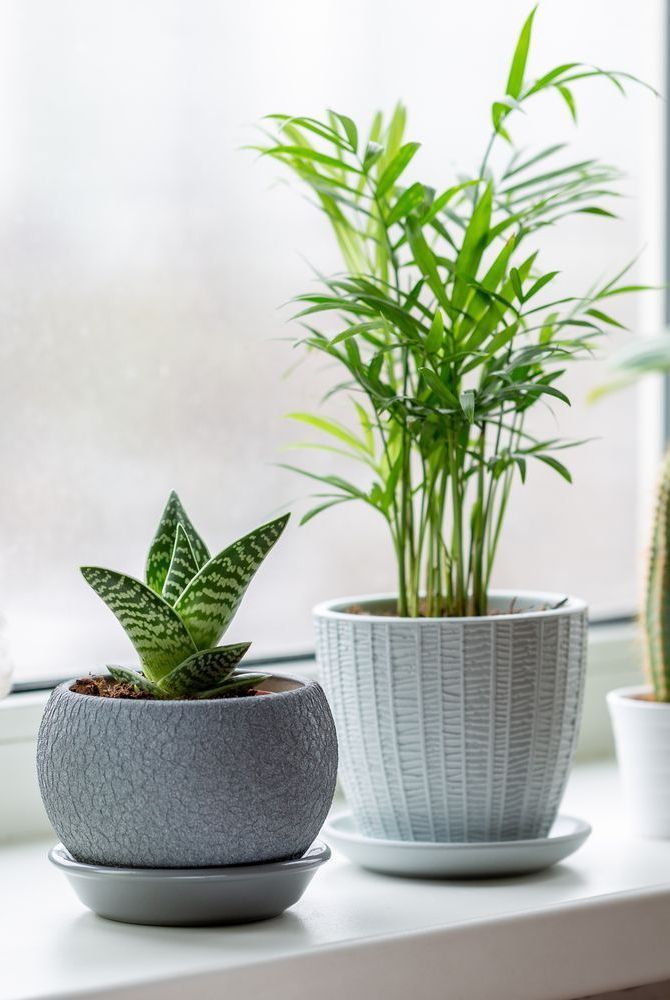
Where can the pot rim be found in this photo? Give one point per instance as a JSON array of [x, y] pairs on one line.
[[626, 696], [331, 609], [197, 704]]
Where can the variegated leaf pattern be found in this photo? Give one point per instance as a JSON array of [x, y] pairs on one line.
[[154, 628], [205, 669], [183, 567], [126, 676], [162, 546], [214, 595], [237, 684]]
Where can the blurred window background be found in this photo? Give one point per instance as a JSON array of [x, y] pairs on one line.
[[144, 258]]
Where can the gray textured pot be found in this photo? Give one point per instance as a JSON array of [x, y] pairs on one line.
[[454, 729], [188, 783]]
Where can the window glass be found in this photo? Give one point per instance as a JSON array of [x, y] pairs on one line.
[[144, 257]]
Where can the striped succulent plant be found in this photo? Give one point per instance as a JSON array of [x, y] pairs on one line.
[[176, 618]]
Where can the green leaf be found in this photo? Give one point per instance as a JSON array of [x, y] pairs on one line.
[[214, 595], [238, 684], [605, 318], [203, 670], [306, 518], [125, 676], [372, 153], [366, 427], [435, 335], [292, 125], [549, 78], [183, 567], [567, 96], [350, 129], [556, 465], [410, 199], [396, 167], [442, 200], [520, 57], [439, 388], [154, 628], [162, 546], [474, 243], [597, 210], [467, 400], [331, 427], [307, 153], [539, 284], [425, 259]]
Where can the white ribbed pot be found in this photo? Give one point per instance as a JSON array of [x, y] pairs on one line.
[[642, 737], [454, 729]]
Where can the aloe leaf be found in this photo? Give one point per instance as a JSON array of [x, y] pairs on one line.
[[236, 685], [214, 595], [154, 628], [183, 567], [204, 669], [162, 546], [126, 676]]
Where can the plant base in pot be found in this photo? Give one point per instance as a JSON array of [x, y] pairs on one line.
[[455, 729], [189, 765], [162, 823]]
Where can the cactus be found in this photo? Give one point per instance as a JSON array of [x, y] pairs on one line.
[[657, 603], [177, 617]]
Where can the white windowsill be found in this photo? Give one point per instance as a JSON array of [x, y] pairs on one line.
[[597, 922]]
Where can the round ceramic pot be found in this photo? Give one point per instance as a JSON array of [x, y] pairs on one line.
[[455, 729], [642, 737], [180, 784]]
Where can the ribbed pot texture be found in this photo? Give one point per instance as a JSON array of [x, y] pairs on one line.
[[177, 784], [454, 729], [642, 736]]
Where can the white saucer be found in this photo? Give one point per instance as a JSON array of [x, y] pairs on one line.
[[426, 859]]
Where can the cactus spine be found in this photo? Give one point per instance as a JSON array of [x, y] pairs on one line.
[[657, 605]]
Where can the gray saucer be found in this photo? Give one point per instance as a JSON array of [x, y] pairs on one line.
[[185, 897], [426, 859]]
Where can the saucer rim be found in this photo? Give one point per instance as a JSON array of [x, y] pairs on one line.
[[316, 854], [582, 829]]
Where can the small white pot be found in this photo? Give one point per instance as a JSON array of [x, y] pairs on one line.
[[642, 737]]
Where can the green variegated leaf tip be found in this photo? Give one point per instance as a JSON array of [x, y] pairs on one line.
[[211, 599], [183, 567], [175, 619], [162, 546], [154, 628], [138, 681], [235, 685], [206, 669]]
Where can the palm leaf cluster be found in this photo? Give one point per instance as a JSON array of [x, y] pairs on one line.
[[444, 326]]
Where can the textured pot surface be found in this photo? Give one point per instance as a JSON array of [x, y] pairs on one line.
[[455, 729], [642, 737], [188, 783]]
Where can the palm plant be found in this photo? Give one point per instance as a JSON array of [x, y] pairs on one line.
[[447, 333], [176, 618]]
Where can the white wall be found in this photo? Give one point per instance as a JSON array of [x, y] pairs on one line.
[[143, 258]]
